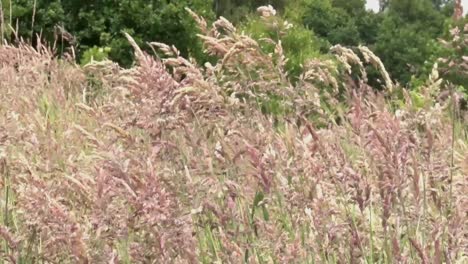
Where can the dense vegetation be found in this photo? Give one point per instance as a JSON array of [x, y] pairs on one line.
[[275, 142], [405, 35]]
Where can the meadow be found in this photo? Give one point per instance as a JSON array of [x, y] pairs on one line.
[[228, 162]]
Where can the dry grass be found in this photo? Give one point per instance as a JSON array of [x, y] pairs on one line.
[[169, 162]]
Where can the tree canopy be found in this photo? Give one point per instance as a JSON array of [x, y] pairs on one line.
[[404, 34]]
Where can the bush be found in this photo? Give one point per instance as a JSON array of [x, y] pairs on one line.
[[100, 23], [298, 43], [95, 54]]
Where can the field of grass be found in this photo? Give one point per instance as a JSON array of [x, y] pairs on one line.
[[169, 162]]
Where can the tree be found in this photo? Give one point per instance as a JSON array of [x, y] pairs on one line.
[[298, 43], [406, 40], [350, 6], [155, 20], [101, 23], [237, 10], [341, 22], [32, 18], [383, 4], [439, 4]]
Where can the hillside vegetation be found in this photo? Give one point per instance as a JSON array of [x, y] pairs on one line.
[[405, 34], [246, 159]]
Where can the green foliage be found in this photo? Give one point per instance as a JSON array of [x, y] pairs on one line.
[[341, 22], [299, 44], [236, 10], [154, 21], [32, 20], [350, 6], [455, 49], [406, 41], [100, 23], [404, 35], [95, 54]]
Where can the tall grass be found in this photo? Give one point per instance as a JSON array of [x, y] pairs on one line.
[[171, 162]]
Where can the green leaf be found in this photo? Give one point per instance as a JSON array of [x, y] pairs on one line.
[[258, 198], [266, 215]]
